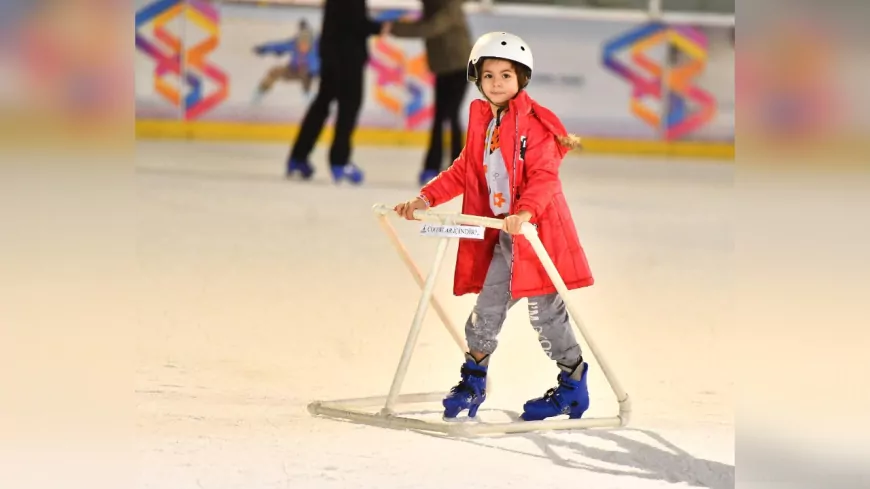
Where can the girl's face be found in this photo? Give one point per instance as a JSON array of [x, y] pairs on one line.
[[499, 81]]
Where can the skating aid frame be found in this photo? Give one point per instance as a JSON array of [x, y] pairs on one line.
[[359, 410]]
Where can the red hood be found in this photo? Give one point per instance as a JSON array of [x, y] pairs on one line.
[[523, 105]]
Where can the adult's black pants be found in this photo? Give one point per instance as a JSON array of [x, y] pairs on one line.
[[341, 81], [449, 92]]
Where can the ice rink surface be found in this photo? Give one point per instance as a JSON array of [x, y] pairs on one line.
[[260, 295]]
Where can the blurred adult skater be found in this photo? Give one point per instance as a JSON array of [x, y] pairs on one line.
[[444, 27], [343, 56]]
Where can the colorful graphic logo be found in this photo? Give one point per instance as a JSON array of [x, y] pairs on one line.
[[402, 82], [689, 106], [166, 49]]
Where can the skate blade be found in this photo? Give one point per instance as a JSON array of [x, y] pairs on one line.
[[461, 419]]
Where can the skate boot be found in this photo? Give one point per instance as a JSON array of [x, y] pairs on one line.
[[303, 167], [470, 392], [349, 172], [570, 397]]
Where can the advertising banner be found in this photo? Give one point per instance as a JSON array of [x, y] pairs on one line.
[[249, 64]]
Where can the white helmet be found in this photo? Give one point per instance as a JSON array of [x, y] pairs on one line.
[[499, 45]]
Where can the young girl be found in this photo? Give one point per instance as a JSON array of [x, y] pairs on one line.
[[509, 169]]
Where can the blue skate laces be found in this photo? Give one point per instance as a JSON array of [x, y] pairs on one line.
[[463, 385]]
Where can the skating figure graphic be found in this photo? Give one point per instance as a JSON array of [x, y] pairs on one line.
[[304, 63]]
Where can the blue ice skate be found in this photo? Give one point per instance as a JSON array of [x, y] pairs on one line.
[[427, 175], [570, 397], [470, 392], [303, 167], [349, 172]]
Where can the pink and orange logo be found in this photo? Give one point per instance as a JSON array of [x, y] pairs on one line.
[[649, 80], [402, 81], [166, 49]]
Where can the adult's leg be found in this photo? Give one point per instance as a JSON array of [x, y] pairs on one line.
[[350, 95], [457, 84], [435, 153], [318, 111]]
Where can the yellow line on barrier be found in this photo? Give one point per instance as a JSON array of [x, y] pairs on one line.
[[368, 136]]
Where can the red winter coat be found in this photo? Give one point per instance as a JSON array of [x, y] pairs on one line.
[[535, 187]]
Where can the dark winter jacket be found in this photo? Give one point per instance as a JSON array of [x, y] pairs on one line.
[[445, 29], [345, 31]]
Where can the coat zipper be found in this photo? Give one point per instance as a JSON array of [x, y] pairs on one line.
[[513, 198]]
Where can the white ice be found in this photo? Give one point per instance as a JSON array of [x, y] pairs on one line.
[[260, 295]]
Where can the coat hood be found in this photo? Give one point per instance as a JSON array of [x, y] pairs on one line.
[[524, 105]]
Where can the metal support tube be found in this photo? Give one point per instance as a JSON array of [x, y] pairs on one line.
[[416, 326]]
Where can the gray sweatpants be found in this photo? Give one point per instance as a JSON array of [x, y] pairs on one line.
[[547, 313]]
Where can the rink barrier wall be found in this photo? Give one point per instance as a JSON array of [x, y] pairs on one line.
[[588, 66], [367, 136]]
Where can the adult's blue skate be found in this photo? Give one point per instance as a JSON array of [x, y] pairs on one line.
[[349, 172], [303, 168], [427, 175]]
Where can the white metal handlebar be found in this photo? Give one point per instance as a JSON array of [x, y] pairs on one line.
[[453, 218]]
